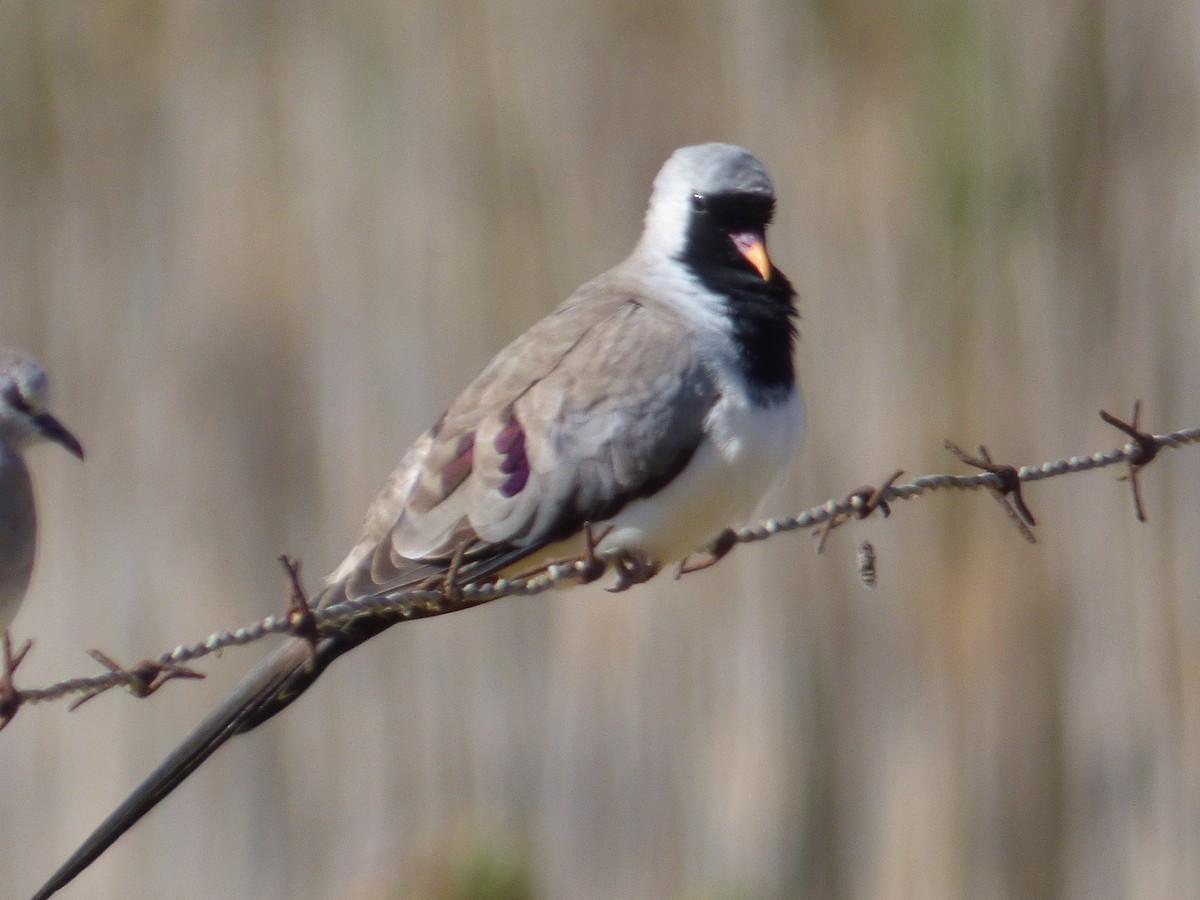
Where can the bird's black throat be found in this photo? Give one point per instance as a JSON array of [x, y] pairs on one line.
[[761, 311]]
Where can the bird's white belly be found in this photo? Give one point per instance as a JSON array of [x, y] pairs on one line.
[[745, 451]]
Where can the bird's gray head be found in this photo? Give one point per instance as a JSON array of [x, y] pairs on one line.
[[691, 179], [24, 402]]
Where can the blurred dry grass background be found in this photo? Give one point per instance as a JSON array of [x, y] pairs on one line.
[[260, 246]]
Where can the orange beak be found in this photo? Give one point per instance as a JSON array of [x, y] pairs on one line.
[[752, 246]]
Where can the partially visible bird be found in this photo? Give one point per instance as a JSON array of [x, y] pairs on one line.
[[656, 405], [24, 420]]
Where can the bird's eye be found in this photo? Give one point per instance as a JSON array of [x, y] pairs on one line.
[[13, 397], [699, 203]]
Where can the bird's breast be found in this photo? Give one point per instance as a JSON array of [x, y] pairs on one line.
[[18, 533], [745, 449]]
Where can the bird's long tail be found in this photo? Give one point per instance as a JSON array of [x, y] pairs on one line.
[[270, 686]]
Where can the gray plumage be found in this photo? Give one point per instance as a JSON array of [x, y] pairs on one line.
[[24, 421]]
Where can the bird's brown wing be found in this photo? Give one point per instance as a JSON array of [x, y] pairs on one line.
[[599, 404]]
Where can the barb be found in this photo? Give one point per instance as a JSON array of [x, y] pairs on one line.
[[709, 556], [863, 502], [141, 679], [1147, 449], [299, 613], [593, 567], [1008, 494], [451, 589], [589, 566], [10, 698]]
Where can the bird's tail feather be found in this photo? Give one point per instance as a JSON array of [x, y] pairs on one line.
[[267, 688]]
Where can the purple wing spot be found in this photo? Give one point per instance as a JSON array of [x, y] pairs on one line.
[[510, 444], [464, 458]]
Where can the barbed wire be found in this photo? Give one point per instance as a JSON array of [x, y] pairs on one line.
[[1002, 481]]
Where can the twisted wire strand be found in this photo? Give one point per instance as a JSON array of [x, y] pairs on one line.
[[413, 604]]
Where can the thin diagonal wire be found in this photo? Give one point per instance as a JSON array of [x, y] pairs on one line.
[[410, 604], [92, 684]]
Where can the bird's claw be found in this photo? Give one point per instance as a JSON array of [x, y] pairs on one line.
[[10, 697], [632, 567]]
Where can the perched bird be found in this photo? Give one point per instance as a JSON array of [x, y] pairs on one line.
[[24, 420], [656, 405]]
